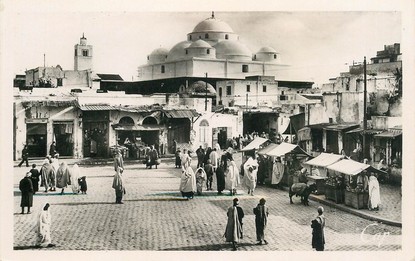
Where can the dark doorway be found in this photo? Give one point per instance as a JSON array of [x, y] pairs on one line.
[[332, 142], [63, 134], [36, 139]]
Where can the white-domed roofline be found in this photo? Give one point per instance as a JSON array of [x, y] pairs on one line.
[[234, 48], [159, 51], [212, 24], [199, 44], [267, 49]]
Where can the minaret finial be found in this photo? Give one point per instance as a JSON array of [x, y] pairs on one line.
[[213, 15], [83, 35]]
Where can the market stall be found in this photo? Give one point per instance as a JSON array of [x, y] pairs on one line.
[[255, 144], [287, 161], [318, 169], [355, 182], [266, 164]]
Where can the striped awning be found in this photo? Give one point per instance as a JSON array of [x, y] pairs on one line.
[[180, 113], [97, 108]]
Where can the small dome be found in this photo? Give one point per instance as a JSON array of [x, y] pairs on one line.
[[200, 44], [178, 51], [159, 51], [212, 25], [200, 87], [267, 50], [159, 55], [227, 49]]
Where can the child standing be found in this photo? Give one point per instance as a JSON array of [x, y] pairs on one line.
[[200, 180]]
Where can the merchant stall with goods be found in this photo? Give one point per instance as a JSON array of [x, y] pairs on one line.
[[318, 169], [354, 181], [287, 162], [250, 151]]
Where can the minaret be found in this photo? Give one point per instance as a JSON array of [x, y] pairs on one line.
[[83, 55]]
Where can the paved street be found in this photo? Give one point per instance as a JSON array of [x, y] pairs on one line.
[[154, 216]]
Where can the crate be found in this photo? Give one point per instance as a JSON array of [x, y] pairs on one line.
[[333, 193], [356, 200]]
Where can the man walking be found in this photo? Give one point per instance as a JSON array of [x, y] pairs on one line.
[[233, 231], [25, 156], [26, 187], [318, 225], [200, 153], [261, 217]]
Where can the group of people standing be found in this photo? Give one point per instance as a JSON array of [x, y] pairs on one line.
[[51, 175], [234, 225], [210, 163]]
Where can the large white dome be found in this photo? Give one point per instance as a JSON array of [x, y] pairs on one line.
[[178, 51], [212, 25], [232, 50]]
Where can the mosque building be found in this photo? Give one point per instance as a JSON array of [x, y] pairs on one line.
[[212, 48]]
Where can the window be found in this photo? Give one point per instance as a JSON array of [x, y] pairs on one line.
[[275, 56], [148, 57], [283, 97], [220, 91], [163, 69], [228, 90], [254, 56], [226, 36], [206, 36], [190, 37], [84, 52], [204, 131], [200, 37], [208, 51], [187, 52], [245, 68], [76, 52], [248, 88], [264, 88]]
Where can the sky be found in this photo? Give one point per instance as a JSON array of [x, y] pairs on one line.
[[317, 45]]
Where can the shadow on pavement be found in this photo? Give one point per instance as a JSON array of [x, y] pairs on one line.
[[32, 247], [215, 247]]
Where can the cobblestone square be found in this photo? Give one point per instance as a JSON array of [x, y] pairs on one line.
[[154, 216]]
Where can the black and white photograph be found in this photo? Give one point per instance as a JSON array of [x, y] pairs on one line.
[[182, 130]]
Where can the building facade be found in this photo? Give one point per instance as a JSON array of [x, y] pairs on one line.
[[213, 48]]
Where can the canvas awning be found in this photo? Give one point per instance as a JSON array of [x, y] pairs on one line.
[[349, 167], [361, 131], [285, 148], [254, 145], [267, 149], [389, 134], [324, 159]]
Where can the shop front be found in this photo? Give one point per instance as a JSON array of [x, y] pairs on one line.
[[63, 136], [36, 137], [95, 134]]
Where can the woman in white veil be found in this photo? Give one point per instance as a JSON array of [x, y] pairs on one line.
[[44, 227], [74, 178]]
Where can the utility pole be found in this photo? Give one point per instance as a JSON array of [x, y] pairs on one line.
[[246, 102], [206, 90], [364, 109]]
